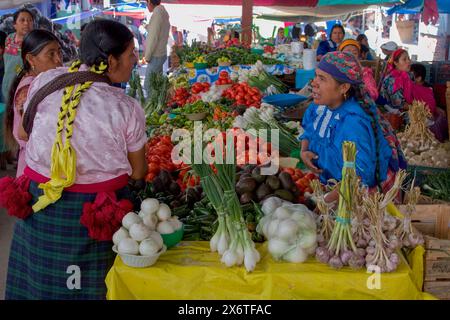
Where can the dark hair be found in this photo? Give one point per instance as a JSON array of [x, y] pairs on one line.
[[18, 12], [364, 48], [337, 26], [102, 38], [360, 37], [155, 2], [33, 43], [419, 70], [3, 36]]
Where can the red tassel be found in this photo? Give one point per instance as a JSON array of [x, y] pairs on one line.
[[103, 217], [14, 196]]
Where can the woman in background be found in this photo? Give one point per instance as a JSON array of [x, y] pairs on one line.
[[40, 52]]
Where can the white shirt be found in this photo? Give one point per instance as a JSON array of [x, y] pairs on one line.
[[158, 34]]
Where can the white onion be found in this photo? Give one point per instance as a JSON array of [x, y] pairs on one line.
[[151, 220], [119, 235], [176, 224], [164, 227], [149, 205], [307, 239], [296, 255], [149, 247], [271, 204], [163, 212], [129, 219], [157, 237], [139, 231], [128, 246], [272, 228], [282, 213], [278, 247], [287, 229]]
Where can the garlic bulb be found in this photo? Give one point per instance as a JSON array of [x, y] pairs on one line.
[[164, 227]]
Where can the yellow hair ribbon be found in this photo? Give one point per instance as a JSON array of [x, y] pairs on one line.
[[63, 156]]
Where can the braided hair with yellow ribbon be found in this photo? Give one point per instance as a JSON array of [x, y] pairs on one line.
[[63, 156]]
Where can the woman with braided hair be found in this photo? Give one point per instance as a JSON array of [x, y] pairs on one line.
[[40, 52], [343, 110], [86, 141]]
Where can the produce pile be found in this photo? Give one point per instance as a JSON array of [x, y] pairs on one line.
[[140, 234], [361, 232], [253, 186], [419, 144], [289, 228]]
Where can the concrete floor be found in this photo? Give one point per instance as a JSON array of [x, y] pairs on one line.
[[6, 231]]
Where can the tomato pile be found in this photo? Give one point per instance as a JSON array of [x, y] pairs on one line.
[[158, 153], [199, 87], [224, 78], [244, 95], [180, 97], [242, 144]]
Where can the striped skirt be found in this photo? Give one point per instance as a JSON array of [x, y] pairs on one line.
[[52, 256]]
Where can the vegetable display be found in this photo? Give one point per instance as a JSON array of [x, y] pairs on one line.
[[244, 94], [289, 228], [232, 239], [418, 142], [159, 157]]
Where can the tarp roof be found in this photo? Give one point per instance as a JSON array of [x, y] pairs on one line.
[[416, 6], [261, 3]]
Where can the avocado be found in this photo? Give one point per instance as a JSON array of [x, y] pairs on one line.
[[286, 181], [285, 195], [256, 174], [273, 182], [245, 185], [158, 185], [166, 178], [174, 188], [262, 191], [246, 198]]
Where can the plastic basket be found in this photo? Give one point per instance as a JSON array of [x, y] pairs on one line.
[[284, 100]]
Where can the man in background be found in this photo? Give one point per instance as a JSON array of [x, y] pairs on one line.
[[156, 44]]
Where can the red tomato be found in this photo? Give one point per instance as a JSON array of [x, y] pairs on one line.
[[311, 176]]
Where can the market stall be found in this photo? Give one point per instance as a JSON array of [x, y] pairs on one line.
[[248, 235], [190, 271]]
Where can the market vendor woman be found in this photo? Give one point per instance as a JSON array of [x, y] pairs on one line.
[[337, 34], [343, 111], [86, 140]]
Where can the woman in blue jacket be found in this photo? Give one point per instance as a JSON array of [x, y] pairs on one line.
[[343, 111], [337, 35]]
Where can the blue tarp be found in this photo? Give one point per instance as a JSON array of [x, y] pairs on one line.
[[416, 6], [78, 16]]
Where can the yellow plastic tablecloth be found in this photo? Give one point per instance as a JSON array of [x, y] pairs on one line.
[[191, 271]]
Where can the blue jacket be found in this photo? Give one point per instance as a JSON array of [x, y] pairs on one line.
[[326, 46], [327, 129]]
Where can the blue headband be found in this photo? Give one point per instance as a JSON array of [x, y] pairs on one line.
[[334, 71]]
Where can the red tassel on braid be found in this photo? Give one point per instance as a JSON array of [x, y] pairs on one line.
[[14, 196], [103, 217]]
